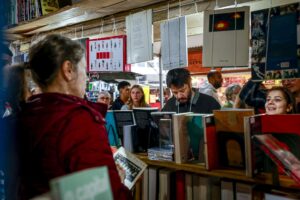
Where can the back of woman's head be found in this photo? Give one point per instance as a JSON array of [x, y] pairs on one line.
[[47, 56]]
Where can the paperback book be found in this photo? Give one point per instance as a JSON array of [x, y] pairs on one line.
[[91, 183], [132, 166]]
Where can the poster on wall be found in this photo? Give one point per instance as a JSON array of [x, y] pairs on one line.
[[107, 54], [174, 43], [226, 37], [139, 37], [276, 48]]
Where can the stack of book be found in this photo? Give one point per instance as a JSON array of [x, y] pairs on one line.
[[161, 153]]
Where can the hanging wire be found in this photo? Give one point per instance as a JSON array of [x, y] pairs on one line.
[[101, 27], [196, 7], [217, 4], [75, 33], [235, 33], [114, 29], [268, 33], [168, 11], [179, 4]]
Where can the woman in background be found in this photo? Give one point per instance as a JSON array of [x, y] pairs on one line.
[[280, 101], [104, 97], [231, 92], [136, 99], [61, 132]]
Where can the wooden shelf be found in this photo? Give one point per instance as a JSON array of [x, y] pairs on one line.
[[80, 12], [230, 174]]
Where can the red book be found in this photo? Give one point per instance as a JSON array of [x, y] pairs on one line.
[[180, 185], [282, 157]]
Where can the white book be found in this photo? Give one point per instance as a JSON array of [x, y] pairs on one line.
[[145, 189], [174, 43], [243, 191], [164, 184], [132, 166], [188, 186], [227, 192], [152, 183], [139, 37], [277, 197], [180, 137], [226, 37], [45, 196]]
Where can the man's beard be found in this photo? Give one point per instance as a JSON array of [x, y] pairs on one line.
[[185, 100], [217, 85]]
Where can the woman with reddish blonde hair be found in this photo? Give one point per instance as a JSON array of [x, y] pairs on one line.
[[136, 99]]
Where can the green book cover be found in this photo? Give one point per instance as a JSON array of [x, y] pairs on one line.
[[195, 126], [91, 183]]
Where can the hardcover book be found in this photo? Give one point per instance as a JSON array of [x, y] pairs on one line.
[[226, 37], [210, 143], [230, 136], [122, 118], [280, 154], [180, 135], [132, 166], [86, 184], [145, 136], [285, 128], [162, 124]]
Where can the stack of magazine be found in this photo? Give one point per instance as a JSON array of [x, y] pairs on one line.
[[161, 153]]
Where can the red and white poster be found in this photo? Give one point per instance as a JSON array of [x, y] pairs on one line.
[[107, 54]]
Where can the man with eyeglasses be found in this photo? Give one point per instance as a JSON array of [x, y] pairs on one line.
[[185, 98]]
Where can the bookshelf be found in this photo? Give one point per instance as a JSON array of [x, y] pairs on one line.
[[80, 12], [238, 175]]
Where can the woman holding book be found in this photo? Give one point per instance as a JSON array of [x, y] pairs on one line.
[[280, 101], [136, 99], [61, 132]]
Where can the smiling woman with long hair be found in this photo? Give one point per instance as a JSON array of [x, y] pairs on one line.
[[280, 101]]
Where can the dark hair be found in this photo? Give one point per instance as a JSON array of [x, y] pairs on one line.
[[123, 84], [288, 96], [178, 77], [212, 73], [47, 56], [15, 86]]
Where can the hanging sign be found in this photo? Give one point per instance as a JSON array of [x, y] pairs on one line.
[[276, 48], [226, 37], [174, 43], [139, 37], [107, 54]]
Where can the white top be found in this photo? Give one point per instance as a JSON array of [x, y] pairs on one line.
[[210, 90]]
